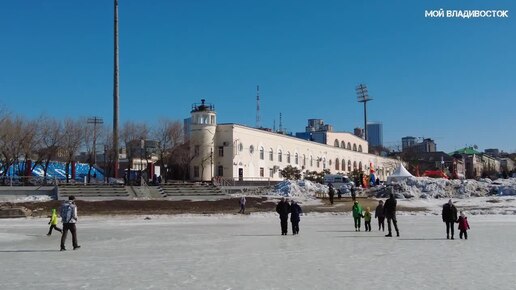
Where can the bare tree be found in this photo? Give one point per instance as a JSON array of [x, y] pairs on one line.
[[180, 159], [71, 143], [169, 135], [91, 134], [51, 136], [131, 135]]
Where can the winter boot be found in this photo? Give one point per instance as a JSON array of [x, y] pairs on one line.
[[389, 235]]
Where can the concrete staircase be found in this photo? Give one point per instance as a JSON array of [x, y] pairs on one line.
[[93, 191], [191, 191]]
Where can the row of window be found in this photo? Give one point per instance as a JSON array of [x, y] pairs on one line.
[[343, 145]]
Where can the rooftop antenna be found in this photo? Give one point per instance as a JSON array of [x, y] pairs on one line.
[[363, 97], [258, 106], [280, 124], [274, 125]]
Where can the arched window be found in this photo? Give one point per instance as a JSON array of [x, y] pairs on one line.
[[354, 165], [337, 164], [349, 165], [262, 153], [336, 143], [343, 165], [324, 163], [354, 147], [359, 148], [296, 159], [311, 161], [343, 144], [318, 162], [288, 157], [271, 155], [349, 146], [280, 156], [360, 165]]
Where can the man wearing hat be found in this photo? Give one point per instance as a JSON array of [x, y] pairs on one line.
[[68, 214]]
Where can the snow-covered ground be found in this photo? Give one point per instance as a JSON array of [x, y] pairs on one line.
[[247, 252]]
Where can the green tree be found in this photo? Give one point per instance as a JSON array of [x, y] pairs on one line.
[[290, 172]]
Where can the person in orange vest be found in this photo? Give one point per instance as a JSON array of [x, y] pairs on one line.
[[53, 223]]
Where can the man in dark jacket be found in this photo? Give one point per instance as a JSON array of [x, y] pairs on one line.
[[331, 192], [295, 212], [449, 217], [389, 210], [283, 209]]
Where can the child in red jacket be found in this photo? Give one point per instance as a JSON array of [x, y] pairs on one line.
[[463, 225]]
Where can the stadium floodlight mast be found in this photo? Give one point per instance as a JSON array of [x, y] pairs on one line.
[[115, 93], [363, 97]]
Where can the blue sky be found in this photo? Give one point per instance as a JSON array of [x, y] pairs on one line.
[[448, 79]]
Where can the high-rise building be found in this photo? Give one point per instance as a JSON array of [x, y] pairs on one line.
[[375, 134], [407, 142]]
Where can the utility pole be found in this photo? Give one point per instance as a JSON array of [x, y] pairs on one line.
[[95, 121], [363, 97], [115, 93]]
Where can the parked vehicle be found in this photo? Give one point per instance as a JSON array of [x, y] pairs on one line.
[[340, 182]]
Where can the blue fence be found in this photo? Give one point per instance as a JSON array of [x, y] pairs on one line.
[[56, 170]]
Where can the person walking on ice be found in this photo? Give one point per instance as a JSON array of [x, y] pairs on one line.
[[367, 219], [449, 215], [378, 213], [68, 214], [53, 223], [463, 225], [283, 209], [242, 205], [295, 213], [389, 210], [357, 215]]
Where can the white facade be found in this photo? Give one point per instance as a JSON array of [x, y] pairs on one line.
[[233, 151]]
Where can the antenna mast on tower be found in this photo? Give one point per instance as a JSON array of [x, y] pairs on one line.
[[258, 106], [280, 124]]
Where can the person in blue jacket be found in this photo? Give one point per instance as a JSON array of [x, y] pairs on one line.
[[295, 212]]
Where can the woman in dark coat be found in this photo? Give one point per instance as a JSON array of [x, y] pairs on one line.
[[449, 217], [295, 212]]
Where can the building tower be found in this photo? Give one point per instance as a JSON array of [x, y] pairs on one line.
[[202, 137]]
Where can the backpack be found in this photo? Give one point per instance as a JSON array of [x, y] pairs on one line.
[[66, 212]]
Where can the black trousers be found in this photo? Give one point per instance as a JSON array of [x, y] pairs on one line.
[[53, 227], [71, 227], [357, 222], [242, 209], [331, 198], [284, 225], [394, 222], [381, 223], [367, 226], [463, 232], [295, 227], [449, 228]]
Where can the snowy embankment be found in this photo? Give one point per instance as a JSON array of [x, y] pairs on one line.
[[477, 197]]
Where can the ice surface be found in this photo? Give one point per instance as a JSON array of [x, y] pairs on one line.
[[247, 252]]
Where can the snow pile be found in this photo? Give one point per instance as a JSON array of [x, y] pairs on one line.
[[298, 188], [426, 187]]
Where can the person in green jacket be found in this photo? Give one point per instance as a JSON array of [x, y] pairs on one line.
[[357, 215], [53, 223], [367, 219]]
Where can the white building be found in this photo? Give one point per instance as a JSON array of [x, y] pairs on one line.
[[237, 152]]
